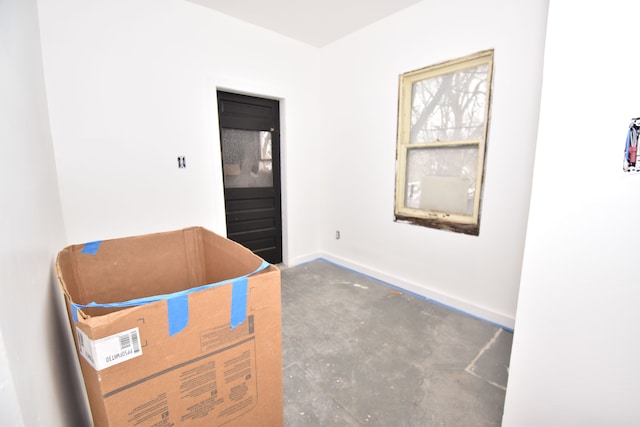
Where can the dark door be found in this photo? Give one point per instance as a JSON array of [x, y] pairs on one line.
[[250, 143]]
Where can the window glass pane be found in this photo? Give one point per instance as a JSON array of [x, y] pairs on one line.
[[442, 179], [265, 152], [449, 107], [246, 158]]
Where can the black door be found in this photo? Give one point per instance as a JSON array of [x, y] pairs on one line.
[[250, 143]]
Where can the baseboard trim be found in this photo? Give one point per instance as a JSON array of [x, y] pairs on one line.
[[433, 296]]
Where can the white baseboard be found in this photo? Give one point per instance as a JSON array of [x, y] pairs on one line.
[[305, 259], [448, 301]]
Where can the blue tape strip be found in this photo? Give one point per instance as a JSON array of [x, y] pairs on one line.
[[178, 302], [91, 247], [178, 310], [239, 290]]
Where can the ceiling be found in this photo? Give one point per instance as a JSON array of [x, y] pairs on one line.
[[315, 22]]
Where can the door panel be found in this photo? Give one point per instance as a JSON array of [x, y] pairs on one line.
[[250, 144], [247, 112]]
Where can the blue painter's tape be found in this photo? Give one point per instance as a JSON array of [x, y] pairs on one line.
[[239, 290], [91, 248], [178, 302], [178, 310]]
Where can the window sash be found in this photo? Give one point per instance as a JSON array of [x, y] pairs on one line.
[[405, 145]]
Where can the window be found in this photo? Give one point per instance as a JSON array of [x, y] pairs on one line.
[[443, 115], [246, 158]]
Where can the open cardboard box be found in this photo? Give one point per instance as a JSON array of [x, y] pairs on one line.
[[175, 328]]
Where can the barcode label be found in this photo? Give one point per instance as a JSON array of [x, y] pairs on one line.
[[136, 342], [111, 350], [125, 341]]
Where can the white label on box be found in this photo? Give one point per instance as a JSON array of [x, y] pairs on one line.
[[111, 350]]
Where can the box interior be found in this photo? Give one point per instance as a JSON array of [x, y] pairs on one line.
[[154, 264]]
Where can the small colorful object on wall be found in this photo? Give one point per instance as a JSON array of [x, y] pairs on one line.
[[630, 163]]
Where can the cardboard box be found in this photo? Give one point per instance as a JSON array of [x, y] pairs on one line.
[[158, 349]]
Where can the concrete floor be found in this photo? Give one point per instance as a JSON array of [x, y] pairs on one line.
[[359, 353]]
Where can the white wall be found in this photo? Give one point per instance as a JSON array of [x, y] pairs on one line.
[[10, 413], [35, 345], [131, 86], [576, 347], [479, 275]]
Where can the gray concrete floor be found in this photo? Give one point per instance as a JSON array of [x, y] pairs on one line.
[[359, 353]]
